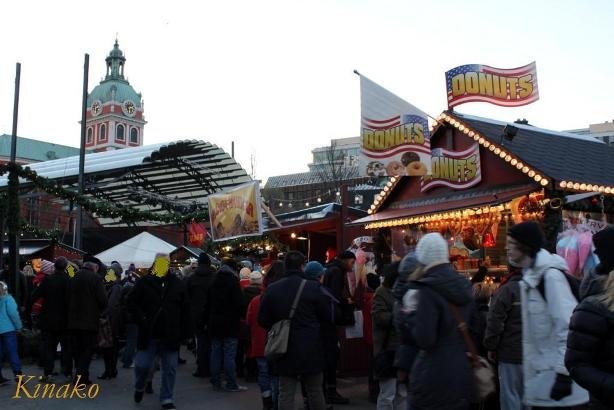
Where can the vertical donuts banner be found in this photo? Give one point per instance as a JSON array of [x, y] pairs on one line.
[[395, 139]]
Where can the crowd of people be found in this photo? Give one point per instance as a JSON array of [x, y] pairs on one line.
[[550, 338]]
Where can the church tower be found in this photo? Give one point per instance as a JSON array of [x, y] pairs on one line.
[[114, 116]]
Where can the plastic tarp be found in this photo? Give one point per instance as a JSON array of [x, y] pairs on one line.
[[140, 250]]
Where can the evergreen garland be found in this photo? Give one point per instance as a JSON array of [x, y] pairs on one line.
[[106, 209]]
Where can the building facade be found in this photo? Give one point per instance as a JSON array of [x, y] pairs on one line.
[[603, 131], [114, 115]]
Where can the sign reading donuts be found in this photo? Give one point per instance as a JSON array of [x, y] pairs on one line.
[[395, 134], [454, 169], [236, 213], [501, 86]]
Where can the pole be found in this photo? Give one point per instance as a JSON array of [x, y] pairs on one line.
[[79, 227], [232, 149], [13, 200]]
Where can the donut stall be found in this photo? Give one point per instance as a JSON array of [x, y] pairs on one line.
[[486, 175]]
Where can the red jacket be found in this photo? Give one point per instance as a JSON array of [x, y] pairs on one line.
[[258, 334], [244, 283], [368, 321], [37, 306]]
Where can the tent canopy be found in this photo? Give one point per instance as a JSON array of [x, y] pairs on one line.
[[140, 250]]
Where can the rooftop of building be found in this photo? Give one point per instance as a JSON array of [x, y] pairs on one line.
[[35, 150]]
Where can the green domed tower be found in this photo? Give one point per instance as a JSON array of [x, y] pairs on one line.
[[115, 110]]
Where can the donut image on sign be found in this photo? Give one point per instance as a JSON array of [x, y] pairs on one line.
[[416, 169], [395, 168]]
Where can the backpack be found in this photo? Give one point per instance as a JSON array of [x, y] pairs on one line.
[[572, 281]]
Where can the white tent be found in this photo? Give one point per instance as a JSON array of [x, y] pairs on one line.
[[140, 250]]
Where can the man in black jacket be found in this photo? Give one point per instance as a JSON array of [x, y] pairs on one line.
[[304, 358], [197, 286], [223, 317], [159, 305], [336, 280], [52, 321], [86, 301], [503, 339]]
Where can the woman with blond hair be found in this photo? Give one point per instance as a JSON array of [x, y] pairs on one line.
[[590, 346]]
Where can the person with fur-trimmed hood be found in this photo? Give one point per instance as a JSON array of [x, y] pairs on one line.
[[547, 303], [441, 376]]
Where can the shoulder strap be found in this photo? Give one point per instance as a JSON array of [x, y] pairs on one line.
[[297, 298], [462, 327]]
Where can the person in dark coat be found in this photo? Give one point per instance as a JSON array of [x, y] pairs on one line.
[[160, 306], [223, 316], [86, 301], [590, 346], [113, 314], [304, 358], [197, 286], [336, 281], [593, 281], [503, 339], [441, 376], [53, 316], [392, 394], [130, 325]]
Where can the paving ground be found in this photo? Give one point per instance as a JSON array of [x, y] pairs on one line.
[[191, 393]]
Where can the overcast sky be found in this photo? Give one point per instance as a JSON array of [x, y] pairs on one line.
[[276, 76]]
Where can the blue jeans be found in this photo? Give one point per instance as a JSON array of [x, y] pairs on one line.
[[264, 379], [226, 349], [8, 344], [144, 363], [511, 386], [132, 332]]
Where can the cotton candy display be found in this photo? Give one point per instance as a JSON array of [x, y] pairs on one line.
[[567, 248]]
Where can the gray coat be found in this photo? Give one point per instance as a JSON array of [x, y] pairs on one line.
[[504, 323]]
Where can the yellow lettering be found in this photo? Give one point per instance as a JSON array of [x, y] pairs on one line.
[[458, 85], [471, 82], [418, 136], [513, 87], [461, 170], [63, 395], [451, 166], [435, 167], [78, 388], [472, 167], [444, 168], [49, 388], [21, 386], [378, 139], [526, 85], [93, 391], [485, 81], [499, 86], [399, 138], [367, 139], [389, 138]]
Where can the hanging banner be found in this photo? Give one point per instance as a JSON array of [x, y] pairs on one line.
[[454, 169], [196, 234], [236, 213], [506, 87], [395, 134]]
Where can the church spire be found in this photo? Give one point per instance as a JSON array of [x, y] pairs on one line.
[[115, 63]]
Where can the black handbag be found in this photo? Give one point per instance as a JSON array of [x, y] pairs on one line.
[[383, 362], [346, 315]]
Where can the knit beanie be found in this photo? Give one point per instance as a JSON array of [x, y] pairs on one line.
[[432, 249], [604, 247], [117, 268], [255, 278], [244, 273], [313, 270], [203, 259], [528, 234], [47, 267], [409, 264]]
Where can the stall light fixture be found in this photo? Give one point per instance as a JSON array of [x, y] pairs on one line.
[[577, 186], [293, 235]]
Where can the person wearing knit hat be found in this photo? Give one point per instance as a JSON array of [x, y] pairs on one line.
[[547, 304], [255, 278], [313, 270], [244, 276], [593, 281], [204, 259], [47, 267], [432, 250], [529, 235]]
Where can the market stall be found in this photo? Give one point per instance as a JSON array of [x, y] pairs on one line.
[[139, 250], [488, 175]]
